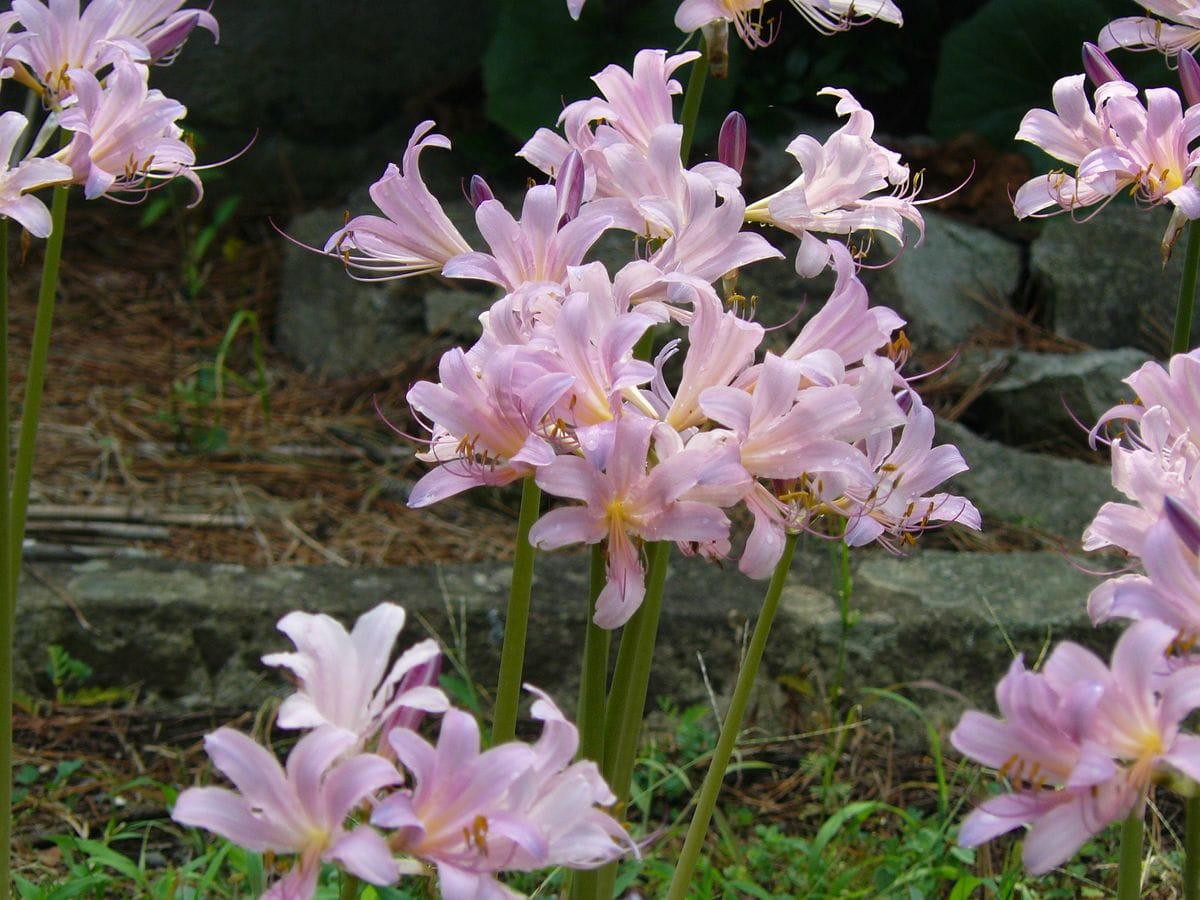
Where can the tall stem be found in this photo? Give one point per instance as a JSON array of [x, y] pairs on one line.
[[592, 682], [516, 622], [1182, 337], [32, 407], [585, 883], [627, 700], [9, 606], [706, 801], [1129, 876], [691, 101], [1191, 850]]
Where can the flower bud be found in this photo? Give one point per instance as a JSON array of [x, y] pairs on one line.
[[1189, 77], [1098, 66], [168, 42], [479, 191], [731, 143], [1184, 523], [570, 187]]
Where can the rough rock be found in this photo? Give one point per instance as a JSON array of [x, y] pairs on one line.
[[1040, 398], [322, 91], [1103, 281], [958, 282], [334, 325], [1045, 494]]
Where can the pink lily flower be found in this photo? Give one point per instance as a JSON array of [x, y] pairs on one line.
[[634, 105], [535, 251], [780, 432], [746, 16], [1169, 592], [301, 810], [831, 16], [125, 135], [1082, 742], [845, 325], [595, 346], [1141, 147], [701, 239], [721, 346], [1041, 744], [623, 501], [1180, 32], [414, 235], [511, 808], [160, 25], [848, 184], [489, 424], [29, 175], [893, 501], [343, 678], [58, 38]]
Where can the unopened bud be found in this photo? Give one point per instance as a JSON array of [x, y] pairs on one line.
[[1184, 523], [479, 191], [731, 142], [168, 42], [570, 187], [1098, 67], [1189, 77]]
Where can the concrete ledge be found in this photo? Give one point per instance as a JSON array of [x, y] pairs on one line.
[[942, 623]]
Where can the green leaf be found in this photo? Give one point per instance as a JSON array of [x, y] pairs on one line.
[[1004, 60], [539, 59]]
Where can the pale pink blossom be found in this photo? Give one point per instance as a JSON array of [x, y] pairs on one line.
[[1125, 145], [125, 136], [624, 502], [489, 424], [847, 185], [16, 201], [1082, 742], [780, 432], [829, 16], [59, 38], [414, 235], [160, 25], [343, 677], [1180, 31], [746, 16], [514, 807], [721, 346], [633, 106], [301, 810], [538, 249]]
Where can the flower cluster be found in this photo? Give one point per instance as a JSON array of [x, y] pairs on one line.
[[91, 71], [1116, 140], [826, 436], [1080, 743], [364, 790]]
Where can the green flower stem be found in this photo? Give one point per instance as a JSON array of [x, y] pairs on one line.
[[9, 606], [32, 408], [627, 703], [706, 801], [349, 887], [691, 101], [585, 883], [1181, 340], [516, 622], [593, 678], [1191, 850], [1129, 876]]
